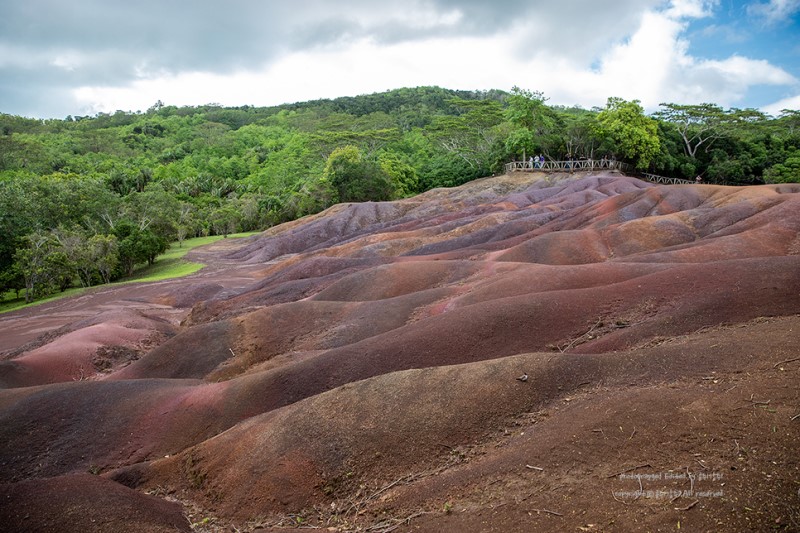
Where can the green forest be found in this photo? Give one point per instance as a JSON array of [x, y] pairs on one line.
[[86, 199]]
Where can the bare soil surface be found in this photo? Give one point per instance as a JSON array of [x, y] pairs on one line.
[[523, 353]]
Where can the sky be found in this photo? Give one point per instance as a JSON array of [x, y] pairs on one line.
[[83, 57]]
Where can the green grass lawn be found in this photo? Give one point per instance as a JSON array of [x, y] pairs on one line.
[[168, 265]]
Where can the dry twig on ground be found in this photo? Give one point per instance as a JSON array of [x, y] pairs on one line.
[[776, 365], [688, 506], [548, 511], [630, 469]]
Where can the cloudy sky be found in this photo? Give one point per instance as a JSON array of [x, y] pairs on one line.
[[81, 57]]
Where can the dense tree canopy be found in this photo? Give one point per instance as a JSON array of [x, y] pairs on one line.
[[85, 199], [634, 134]]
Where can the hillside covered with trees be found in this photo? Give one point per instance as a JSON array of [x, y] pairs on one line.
[[85, 199]]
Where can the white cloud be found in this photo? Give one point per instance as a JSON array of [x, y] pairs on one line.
[[361, 66], [630, 48], [774, 12], [645, 66], [411, 15], [655, 66], [691, 8], [775, 109]]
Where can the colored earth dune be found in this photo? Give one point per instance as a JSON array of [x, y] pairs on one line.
[[522, 353]]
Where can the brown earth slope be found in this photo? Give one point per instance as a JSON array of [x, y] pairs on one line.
[[522, 353]]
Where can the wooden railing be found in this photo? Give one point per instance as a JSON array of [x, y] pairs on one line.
[[655, 178], [589, 165], [568, 166]]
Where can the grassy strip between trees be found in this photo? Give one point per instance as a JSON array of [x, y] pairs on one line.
[[169, 265]]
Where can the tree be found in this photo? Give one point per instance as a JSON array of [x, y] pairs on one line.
[[786, 172], [249, 212], [11, 279], [356, 179], [75, 246], [93, 258], [535, 124], [224, 220], [154, 210], [698, 125], [17, 219], [579, 132], [472, 134], [635, 134], [186, 223], [402, 175], [104, 251], [43, 264], [136, 246], [790, 119], [445, 170]]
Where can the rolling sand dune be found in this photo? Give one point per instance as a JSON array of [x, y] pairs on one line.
[[522, 353]]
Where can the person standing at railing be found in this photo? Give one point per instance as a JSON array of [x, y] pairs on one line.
[[530, 163]]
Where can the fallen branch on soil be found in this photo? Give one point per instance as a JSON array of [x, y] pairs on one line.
[[393, 523], [776, 365], [630, 469], [548, 511], [359, 504], [576, 339], [540, 469], [688, 506], [537, 491], [757, 402], [795, 417], [292, 521]]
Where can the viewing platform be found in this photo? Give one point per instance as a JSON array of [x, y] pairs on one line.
[[576, 165], [583, 165]]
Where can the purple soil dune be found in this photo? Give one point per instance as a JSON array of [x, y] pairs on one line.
[[82, 502], [487, 356]]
